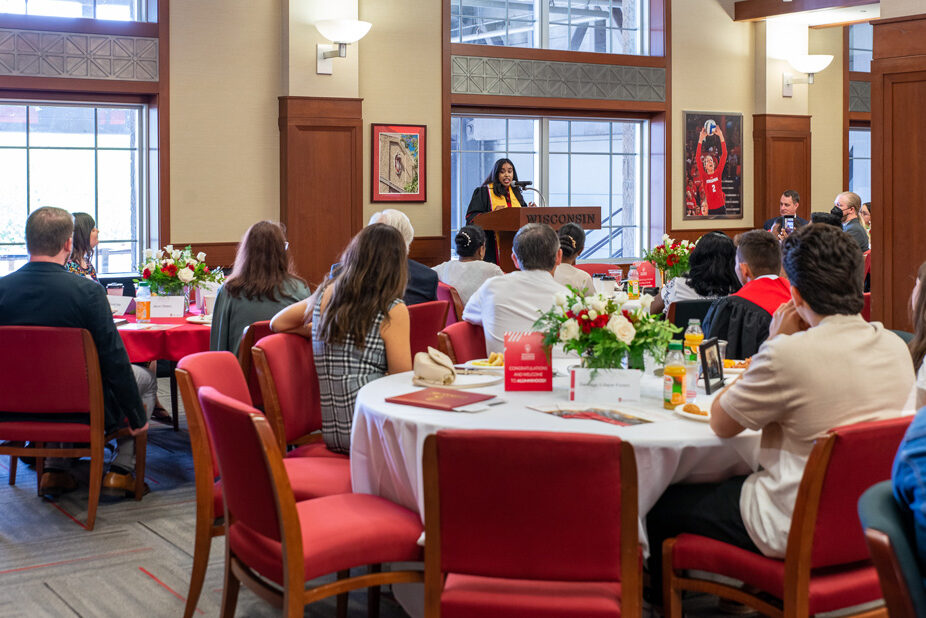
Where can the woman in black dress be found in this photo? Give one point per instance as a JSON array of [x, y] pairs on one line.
[[498, 191]]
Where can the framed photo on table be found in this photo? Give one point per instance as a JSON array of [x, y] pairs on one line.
[[398, 164], [711, 365], [713, 181]]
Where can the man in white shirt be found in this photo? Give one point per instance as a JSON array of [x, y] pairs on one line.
[[822, 366], [513, 302]]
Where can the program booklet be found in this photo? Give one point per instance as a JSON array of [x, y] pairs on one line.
[[447, 399]]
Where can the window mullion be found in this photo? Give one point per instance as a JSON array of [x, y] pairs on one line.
[[543, 156]]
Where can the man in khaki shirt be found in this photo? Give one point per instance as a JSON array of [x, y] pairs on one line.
[[822, 366]]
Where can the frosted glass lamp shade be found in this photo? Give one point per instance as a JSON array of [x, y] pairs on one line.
[[345, 30], [810, 63]]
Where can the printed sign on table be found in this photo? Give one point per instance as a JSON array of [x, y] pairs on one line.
[[604, 385], [166, 306], [528, 364], [647, 273]]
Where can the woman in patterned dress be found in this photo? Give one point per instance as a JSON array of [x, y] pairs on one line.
[[86, 238], [358, 324]]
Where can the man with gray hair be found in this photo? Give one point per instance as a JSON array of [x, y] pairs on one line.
[[422, 281], [513, 302], [44, 293]]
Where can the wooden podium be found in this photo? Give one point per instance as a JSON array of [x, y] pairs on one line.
[[505, 222]]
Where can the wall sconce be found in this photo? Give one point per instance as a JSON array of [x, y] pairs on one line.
[[807, 63], [341, 32]]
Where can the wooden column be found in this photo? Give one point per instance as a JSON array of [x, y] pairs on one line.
[[782, 162], [898, 165], [321, 167]]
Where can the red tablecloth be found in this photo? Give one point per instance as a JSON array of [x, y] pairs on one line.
[[170, 344]]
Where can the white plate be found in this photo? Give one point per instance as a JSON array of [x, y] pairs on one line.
[[692, 417], [733, 371], [471, 364], [200, 319]]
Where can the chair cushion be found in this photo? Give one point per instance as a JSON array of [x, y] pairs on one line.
[[310, 478], [831, 588], [45, 432], [486, 597], [314, 449], [338, 532]]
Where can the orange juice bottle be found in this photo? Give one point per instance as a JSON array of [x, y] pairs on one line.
[[674, 377], [693, 338], [143, 303]]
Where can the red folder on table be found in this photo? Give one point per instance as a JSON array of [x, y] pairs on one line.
[[439, 398]]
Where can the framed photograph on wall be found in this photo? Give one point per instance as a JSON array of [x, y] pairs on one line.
[[398, 164], [713, 166]]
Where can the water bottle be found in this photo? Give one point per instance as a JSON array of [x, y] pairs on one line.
[[143, 303], [693, 338], [675, 377], [633, 283]]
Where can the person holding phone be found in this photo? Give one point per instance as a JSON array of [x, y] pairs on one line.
[[787, 207]]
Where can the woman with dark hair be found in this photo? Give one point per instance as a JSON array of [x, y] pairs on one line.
[[86, 238], [572, 242], [470, 271], [358, 325], [918, 343], [711, 273], [262, 283], [498, 191]]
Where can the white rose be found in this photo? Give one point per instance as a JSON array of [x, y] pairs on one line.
[[558, 311], [620, 298], [645, 301], [597, 304], [169, 248], [201, 256], [576, 308], [185, 275], [592, 314], [622, 328], [569, 330], [176, 253], [149, 253]]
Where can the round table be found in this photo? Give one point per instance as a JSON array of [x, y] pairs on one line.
[[387, 439], [172, 343]]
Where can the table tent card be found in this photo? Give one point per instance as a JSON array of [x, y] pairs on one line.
[[119, 304], [647, 273], [167, 306], [604, 385], [528, 365]]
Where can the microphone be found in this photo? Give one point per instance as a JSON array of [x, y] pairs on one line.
[[522, 183]]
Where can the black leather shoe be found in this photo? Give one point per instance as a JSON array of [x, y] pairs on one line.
[[56, 482]]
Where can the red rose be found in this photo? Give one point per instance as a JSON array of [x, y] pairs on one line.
[[191, 267], [676, 244], [206, 269], [672, 260], [146, 274], [586, 326]]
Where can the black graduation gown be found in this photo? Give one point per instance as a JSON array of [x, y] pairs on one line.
[[479, 204]]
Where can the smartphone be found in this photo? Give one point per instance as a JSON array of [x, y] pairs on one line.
[[789, 223]]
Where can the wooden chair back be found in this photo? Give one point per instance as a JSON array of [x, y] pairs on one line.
[[680, 312], [252, 334], [450, 294]]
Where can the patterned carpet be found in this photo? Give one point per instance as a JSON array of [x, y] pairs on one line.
[[137, 560]]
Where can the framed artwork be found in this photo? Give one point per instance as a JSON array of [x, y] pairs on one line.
[[398, 163], [711, 365], [713, 166]]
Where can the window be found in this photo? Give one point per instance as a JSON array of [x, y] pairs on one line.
[[119, 10], [83, 158], [603, 26], [572, 162], [860, 162], [861, 46]]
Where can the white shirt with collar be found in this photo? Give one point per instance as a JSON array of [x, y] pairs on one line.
[[511, 303]]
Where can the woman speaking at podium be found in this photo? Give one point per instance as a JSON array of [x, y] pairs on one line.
[[499, 190]]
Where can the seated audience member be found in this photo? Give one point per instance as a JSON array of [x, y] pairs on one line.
[[918, 343], [711, 273], [742, 318], [787, 205], [470, 271], [514, 301], [422, 281], [262, 283], [86, 238], [572, 242], [814, 373], [864, 214], [44, 293], [358, 324], [847, 207], [826, 217]]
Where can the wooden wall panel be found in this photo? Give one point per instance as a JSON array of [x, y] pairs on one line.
[[782, 162], [321, 171], [898, 170]]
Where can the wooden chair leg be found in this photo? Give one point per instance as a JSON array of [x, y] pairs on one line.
[[13, 461], [39, 468], [342, 598], [671, 596], [96, 483], [230, 590], [174, 401], [373, 594], [141, 451], [202, 544]]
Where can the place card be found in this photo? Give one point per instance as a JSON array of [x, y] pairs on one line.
[[528, 363], [604, 385], [119, 304], [167, 306]]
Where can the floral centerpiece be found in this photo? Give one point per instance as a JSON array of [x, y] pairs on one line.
[[172, 272], [606, 331], [671, 257]]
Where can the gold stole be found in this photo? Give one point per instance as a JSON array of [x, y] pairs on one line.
[[498, 201]]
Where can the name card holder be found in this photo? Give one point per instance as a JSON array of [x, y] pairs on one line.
[[167, 306], [528, 365], [604, 385]]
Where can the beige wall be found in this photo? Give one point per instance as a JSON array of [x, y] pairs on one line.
[[300, 38], [900, 8], [826, 109], [400, 83], [713, 69], [224, 141]]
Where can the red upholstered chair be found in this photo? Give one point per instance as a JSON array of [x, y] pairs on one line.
[[252, 334], [826, 566], [425, 321], [462, 342], [311, 478], [533, 524], [866, 307], [274, 544], [286, 368], [32, 384], [450, 294]]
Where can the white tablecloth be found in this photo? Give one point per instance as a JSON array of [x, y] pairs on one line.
[[387, 442]]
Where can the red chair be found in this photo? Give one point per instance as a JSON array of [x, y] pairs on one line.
[[450, 294], [252, 334], [425, 321], [275, 545], [531, 524], [462, 342], [826, 566], [311, 477], [286, 368], [32, 383], [866, 307], [593, 269]]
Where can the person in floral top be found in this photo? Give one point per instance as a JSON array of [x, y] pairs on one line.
[[86, 238]]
